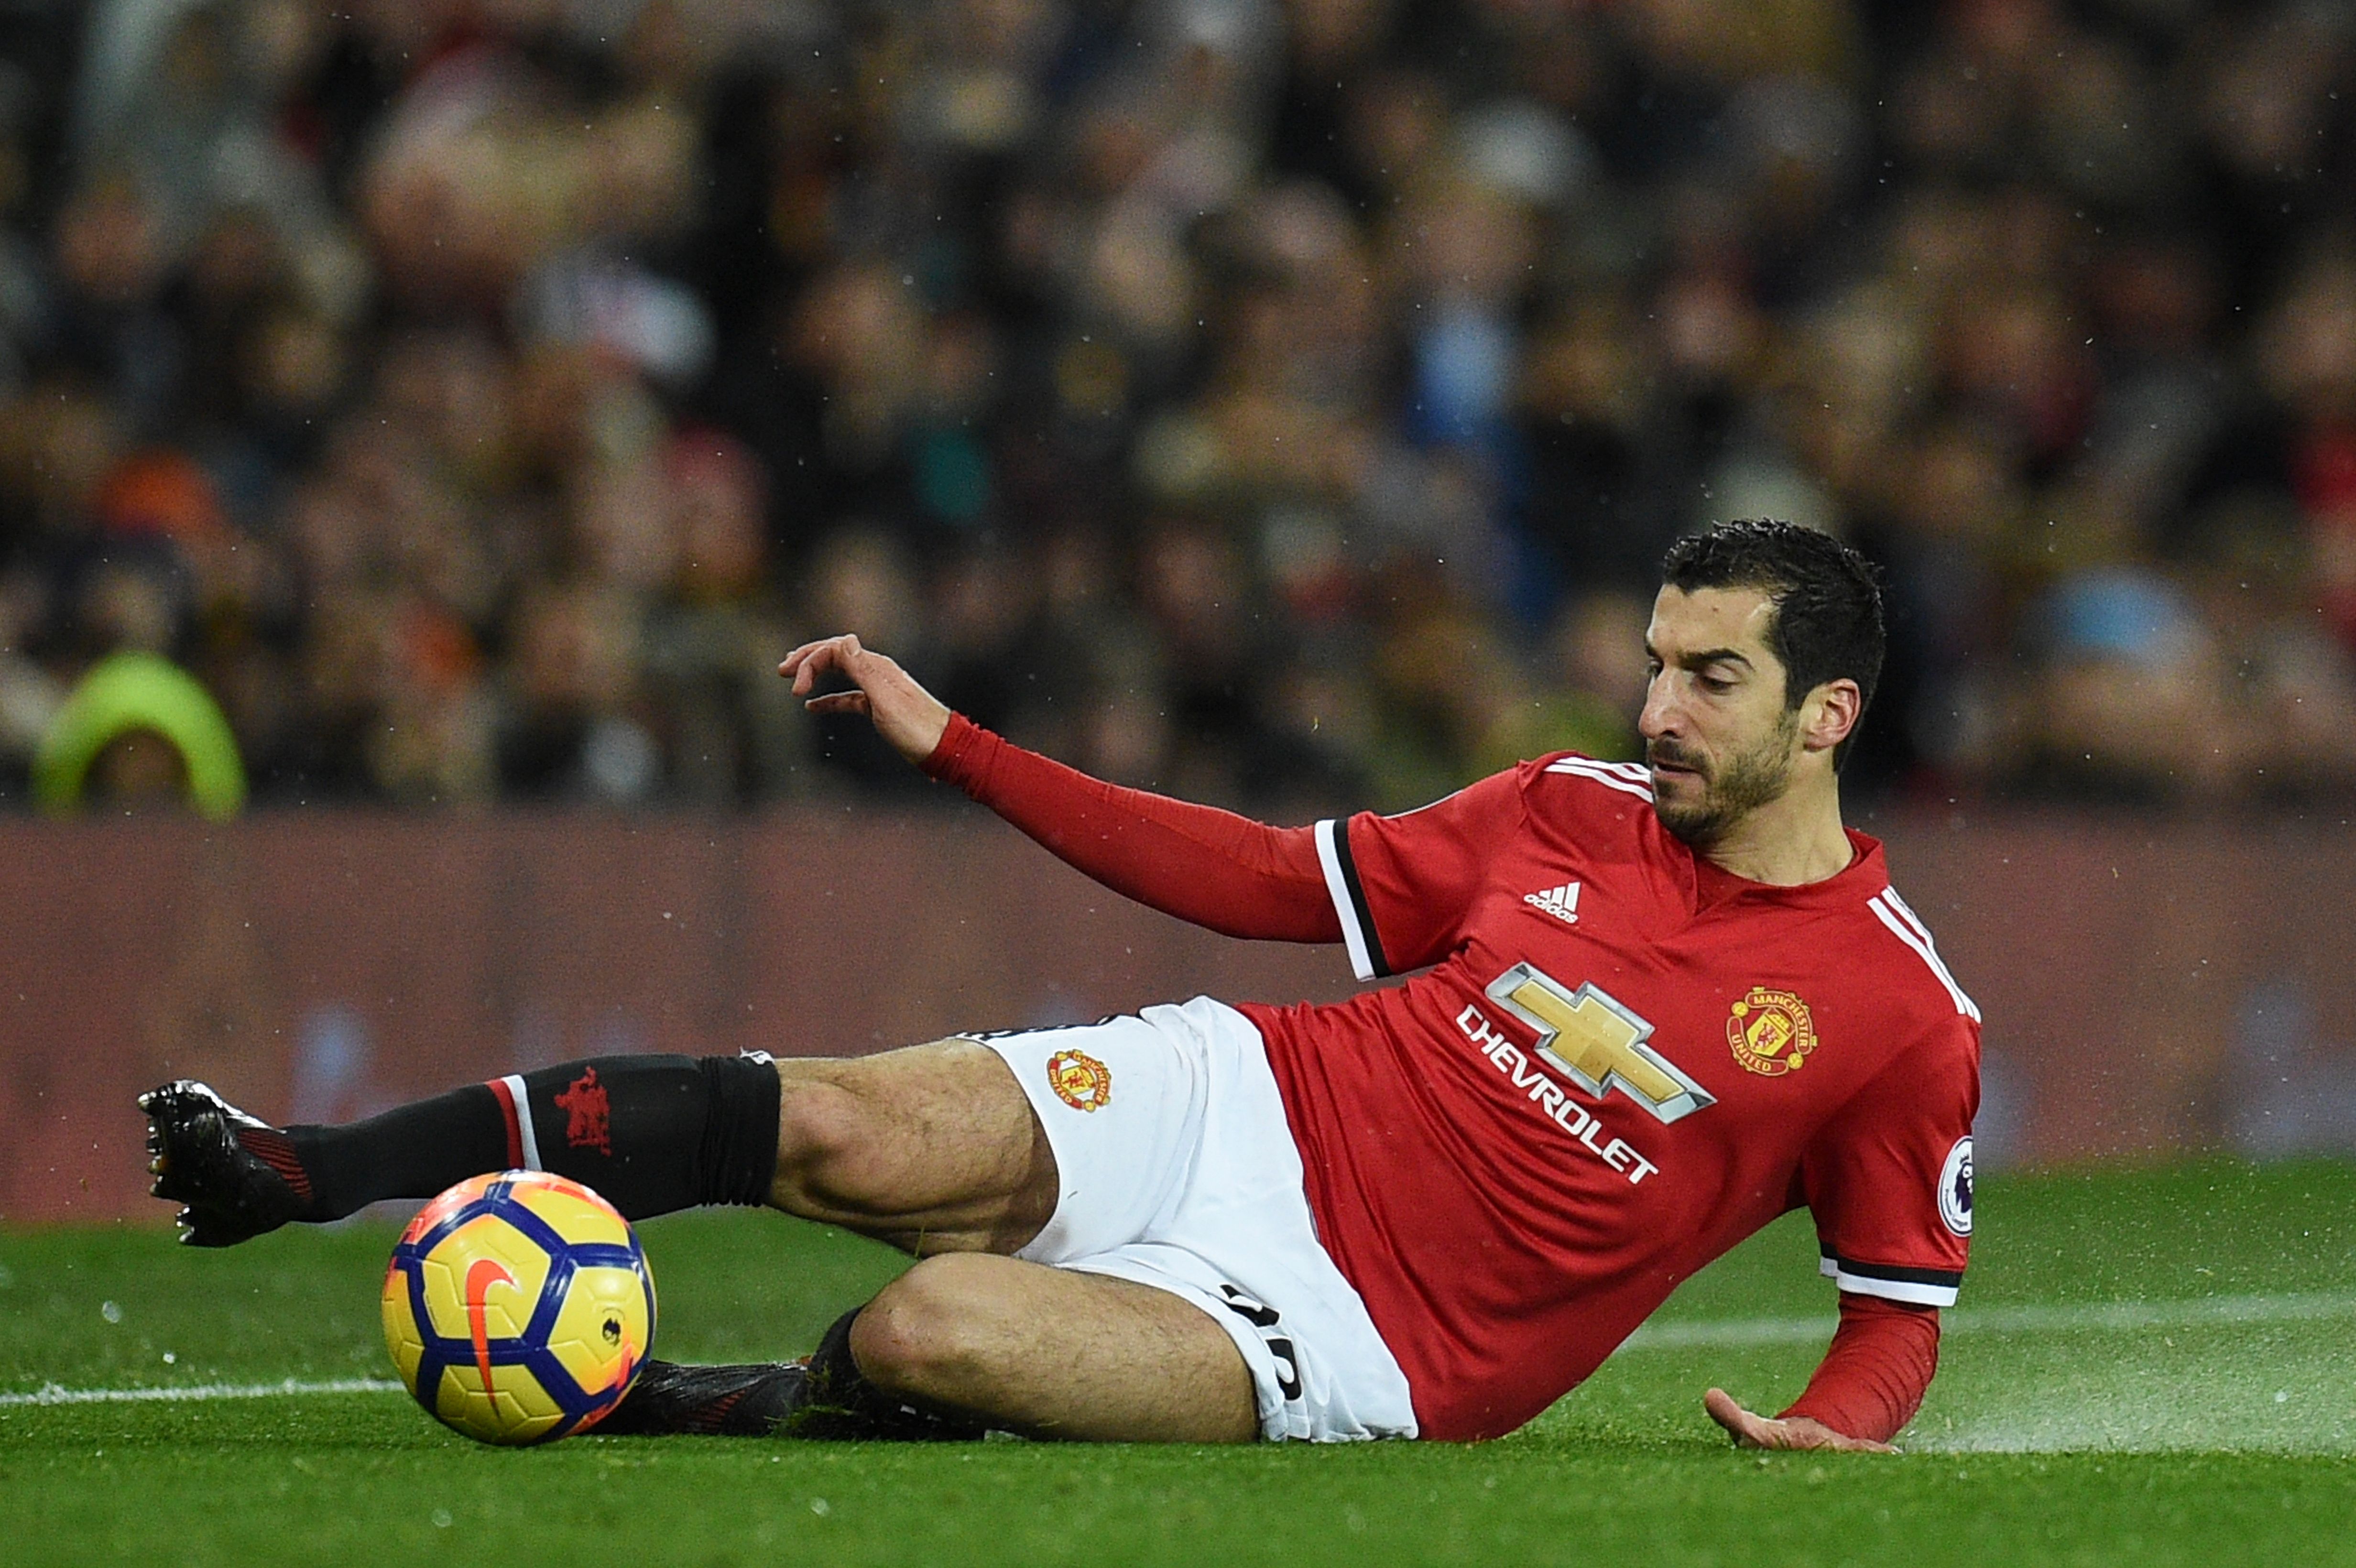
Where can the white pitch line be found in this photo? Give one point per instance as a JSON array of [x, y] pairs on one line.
[[2089, 1317], [1726, 1333], [50, 1394]]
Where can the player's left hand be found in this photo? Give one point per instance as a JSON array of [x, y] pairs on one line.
[[1750, 1430]]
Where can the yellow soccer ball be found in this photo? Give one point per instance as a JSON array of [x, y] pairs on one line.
[[517, 1308]]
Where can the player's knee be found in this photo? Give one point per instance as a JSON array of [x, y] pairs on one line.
[[927, 1333], [826, 1139]]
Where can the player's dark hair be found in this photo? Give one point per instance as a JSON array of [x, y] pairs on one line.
[[1828, 623]]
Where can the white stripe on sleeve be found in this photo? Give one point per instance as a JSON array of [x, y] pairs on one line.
[[1357, 939], [1611, 775], [1895, 1289], [1925, 951]]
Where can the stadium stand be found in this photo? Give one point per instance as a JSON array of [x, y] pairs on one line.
[[1279, 404]]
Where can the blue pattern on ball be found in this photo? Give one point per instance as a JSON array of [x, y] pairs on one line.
[[530, 1348]]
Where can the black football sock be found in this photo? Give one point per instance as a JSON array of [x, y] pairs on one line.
[[837, 1402], [651, 1134]]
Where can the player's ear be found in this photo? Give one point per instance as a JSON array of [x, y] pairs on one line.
[[1829, 714]]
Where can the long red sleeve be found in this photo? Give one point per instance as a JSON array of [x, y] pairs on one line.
[[1872, 1378], [1235, 876]]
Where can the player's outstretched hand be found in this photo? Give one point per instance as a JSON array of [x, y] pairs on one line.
[[1752, 1431], [904, 713]]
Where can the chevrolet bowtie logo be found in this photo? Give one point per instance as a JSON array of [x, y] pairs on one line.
[[1600, 1043]]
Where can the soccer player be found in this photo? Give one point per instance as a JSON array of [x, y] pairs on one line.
[[1648, 1008]]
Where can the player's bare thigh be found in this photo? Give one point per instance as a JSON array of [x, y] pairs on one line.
[[1057, 1353], [933, 1148]]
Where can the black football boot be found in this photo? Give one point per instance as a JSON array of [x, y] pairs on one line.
[[826, 1397], [668, 1400], [231, 1193]]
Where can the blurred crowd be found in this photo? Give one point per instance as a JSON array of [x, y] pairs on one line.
[[1279, 402]]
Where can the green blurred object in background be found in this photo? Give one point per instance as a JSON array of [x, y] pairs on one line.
[[128, 693]]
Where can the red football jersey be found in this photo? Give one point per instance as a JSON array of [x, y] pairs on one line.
[[1621, 1061]]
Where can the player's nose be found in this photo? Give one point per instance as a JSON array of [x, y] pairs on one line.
[[1660, 715]]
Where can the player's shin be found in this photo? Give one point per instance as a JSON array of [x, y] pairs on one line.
[[651, 1134]]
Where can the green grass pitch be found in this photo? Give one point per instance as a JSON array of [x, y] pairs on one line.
[[2150, 1368]]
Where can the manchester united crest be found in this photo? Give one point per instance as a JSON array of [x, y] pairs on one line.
[[1079, 1080], [1771, 1032]]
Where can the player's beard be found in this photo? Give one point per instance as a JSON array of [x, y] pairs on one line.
[[1730, 790]]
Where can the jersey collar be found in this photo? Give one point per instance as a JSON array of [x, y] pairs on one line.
[[1866, 874]]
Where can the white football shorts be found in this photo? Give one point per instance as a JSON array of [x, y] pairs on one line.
[[1179, 1172]]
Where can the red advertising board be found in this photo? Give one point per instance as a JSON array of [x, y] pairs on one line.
[[2146, 988]]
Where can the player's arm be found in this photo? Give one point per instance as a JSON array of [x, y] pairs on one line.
[[1865, 1391], [1217, 870], [1888, 1181], [1394, 890]]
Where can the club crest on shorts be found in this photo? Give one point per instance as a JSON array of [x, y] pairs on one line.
[[1079, 1080], [1771, 1032]]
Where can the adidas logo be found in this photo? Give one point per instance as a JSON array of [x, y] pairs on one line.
[[1561, 902]]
